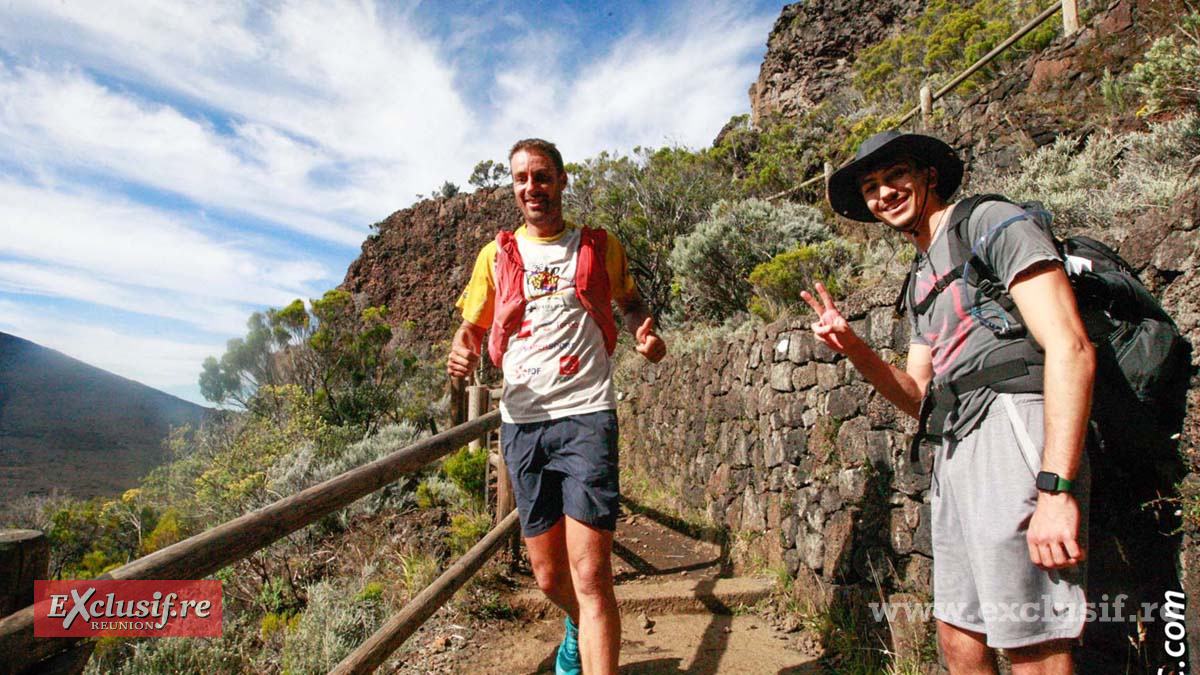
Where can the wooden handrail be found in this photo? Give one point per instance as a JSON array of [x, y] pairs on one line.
[[377, 648], [988, 57], [209, 551]]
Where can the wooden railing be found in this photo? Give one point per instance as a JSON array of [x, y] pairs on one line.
[[230, 542], [927, 97]]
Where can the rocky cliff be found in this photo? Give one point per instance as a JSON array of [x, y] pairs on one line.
[[812, 48], [1056, 91], [421, 257]]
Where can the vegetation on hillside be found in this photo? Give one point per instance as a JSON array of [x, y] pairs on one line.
[[942, 41], [319, 391]]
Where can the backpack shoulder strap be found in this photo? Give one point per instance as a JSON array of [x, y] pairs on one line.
[[960, 251]]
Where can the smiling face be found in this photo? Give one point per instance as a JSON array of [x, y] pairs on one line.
[[901, 194], [538, 186]]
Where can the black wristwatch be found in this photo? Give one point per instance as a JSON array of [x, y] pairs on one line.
[[1052, 482]]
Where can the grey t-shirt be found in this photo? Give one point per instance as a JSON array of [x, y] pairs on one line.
[[956, 328]]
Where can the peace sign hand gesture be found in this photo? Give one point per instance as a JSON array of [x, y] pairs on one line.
[[831, 328]]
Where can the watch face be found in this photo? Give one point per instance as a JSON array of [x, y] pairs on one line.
[[1047, 481]]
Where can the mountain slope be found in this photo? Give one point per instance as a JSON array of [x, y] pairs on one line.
[[70, 426]]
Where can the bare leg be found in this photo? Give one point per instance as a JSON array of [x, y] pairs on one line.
[[966, 651], [590, 552], [1047, 658], [551, 568]]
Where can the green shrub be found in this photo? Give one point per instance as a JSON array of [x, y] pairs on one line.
[[177, 655], [783, 152], [371, 592], [1169, 77], [778, 282], [1111, 176], [277, 596], [466, 529], [337, 620], [712, 263], [228, 653], [170, 529], [308, 464], [436, 491], [467, 470], [417, 570]]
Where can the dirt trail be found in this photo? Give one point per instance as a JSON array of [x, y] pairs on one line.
[[678, 615]]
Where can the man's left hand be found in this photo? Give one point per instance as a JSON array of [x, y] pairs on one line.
[[1053, 535], [650, 345]]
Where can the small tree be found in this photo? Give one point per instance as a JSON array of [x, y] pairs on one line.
[[250, 362], [345, 359], [1169, 77], [488, 174]]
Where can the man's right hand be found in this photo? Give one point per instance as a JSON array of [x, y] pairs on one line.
[[462, 362], [464, 350], [831, 328]]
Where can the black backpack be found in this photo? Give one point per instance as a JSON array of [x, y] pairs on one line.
[[1143, 364]]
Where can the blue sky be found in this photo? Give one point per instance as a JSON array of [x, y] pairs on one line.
[[167, 168]]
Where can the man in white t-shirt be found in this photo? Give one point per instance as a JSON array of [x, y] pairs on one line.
[[546, 293]]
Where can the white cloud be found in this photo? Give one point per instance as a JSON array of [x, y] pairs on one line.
[[144, 251], [671, 85], [354, 79], [66, 121], [299, 115]]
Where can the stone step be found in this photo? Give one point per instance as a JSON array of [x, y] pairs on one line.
[[678, 596]]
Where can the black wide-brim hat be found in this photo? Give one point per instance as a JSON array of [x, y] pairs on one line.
[[843, 191]]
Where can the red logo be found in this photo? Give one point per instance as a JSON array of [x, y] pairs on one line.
[[116, 608], [568, 365]]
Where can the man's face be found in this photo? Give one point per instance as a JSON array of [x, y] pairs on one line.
[[896, 193], [538, 187]]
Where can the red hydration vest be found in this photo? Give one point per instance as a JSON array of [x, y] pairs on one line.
[[591, 287]]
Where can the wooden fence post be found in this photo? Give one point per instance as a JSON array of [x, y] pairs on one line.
[[505, 500], [458, 401], [477, 406], [926, 105], [1070, 12], [24, 557]]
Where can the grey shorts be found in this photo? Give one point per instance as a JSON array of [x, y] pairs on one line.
[[983, 496], [566, 466]]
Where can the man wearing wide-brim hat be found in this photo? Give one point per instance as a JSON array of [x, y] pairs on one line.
[[1008, 495]]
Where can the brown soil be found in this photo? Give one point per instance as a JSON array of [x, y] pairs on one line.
[[665, 578]]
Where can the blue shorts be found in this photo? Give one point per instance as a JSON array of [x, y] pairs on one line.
[[566, 466]]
